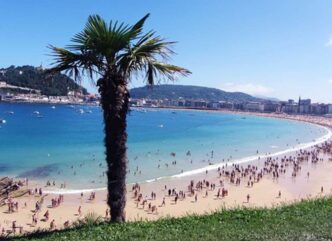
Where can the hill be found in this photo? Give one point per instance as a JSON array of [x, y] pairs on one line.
[[307, 220], [29, 77], [174, 92]]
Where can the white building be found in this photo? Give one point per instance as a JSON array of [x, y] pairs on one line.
[[329, 108], [254, 106]]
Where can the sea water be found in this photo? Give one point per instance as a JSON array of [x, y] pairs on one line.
[[65, 143]]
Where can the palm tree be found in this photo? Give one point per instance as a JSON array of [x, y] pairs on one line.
[[113, 54]]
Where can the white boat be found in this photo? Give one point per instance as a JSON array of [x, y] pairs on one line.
[[11, 112], [53, 107], [2, 121], [81, 111], [36, 112]]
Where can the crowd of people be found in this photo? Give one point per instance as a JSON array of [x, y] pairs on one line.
[[215, 184], [236, 175]]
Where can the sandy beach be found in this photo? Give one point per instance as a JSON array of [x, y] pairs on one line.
[[266, 182]]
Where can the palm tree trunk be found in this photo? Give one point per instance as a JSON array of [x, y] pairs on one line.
[[115, 104]]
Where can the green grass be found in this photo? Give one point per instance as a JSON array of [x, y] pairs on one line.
[[308, 220]]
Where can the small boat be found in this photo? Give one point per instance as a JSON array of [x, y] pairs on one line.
[[88, 111], [2, 121], [36, 112], [11, 112], [53, 107], [81, 111]]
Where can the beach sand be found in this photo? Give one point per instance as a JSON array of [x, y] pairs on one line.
[[264, 193]]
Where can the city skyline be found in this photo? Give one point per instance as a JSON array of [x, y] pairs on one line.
[[276, 49]]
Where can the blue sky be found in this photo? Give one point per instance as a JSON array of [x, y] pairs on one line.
[[279, 48]]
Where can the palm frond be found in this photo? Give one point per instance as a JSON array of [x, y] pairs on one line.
[[137, 28], [148, 48], [75, 64], [166, 71]]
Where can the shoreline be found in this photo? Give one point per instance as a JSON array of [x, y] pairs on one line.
[[263, 192], [241, 160]]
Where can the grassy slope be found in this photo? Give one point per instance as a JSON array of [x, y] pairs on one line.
[[309, 220]]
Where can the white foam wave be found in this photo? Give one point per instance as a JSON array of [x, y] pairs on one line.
[[255, 157], [73, 191]]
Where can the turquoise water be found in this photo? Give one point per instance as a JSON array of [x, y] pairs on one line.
[[66, 146]]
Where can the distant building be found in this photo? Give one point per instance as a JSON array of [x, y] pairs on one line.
[[254, 106], [291, 102], [239, 106], [304, 106], [329, 109], [188, 103], [289, 107], [227, 105], [270, 106], [180, 102], [213, 105], [200, 104], [166, 103], [319, 109], [135, 102], [75, 93]]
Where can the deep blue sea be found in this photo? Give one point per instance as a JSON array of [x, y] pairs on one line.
[[65, 145]]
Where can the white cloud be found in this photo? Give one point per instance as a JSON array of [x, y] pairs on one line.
[[330, 81], [329, 42], [249, 88]]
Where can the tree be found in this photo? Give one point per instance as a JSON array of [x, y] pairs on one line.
[[113, 54]]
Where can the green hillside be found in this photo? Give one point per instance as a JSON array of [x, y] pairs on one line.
[[36, 78], [174, 92]]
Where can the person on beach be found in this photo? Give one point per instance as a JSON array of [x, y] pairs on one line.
[[79, 211], [66, 224], [106, 213], [46, 215], [34, 219], [248, 198], [14, 227], [52, 224]]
